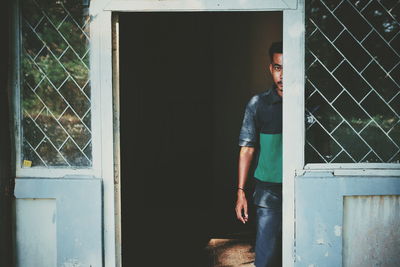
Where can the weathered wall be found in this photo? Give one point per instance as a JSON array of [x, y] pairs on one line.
[[332, 229], [59, 222]]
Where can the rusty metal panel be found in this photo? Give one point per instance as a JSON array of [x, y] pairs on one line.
[[371, 231]]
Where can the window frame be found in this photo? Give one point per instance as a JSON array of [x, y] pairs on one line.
[[346, 169], [352, 169], [51, 171], [202, 5]]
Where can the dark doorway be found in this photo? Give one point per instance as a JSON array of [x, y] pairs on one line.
[[185, 79]]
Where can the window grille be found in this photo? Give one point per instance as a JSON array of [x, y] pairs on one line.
[[352, 81], [55, 88]]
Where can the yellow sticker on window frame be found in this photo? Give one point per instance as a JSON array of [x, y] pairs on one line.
[[27, 163]]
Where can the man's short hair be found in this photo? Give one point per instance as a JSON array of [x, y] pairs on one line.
[[275, 48]]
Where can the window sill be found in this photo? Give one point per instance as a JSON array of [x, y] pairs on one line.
[[350, 169]]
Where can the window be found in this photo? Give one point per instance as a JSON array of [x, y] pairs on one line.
[[55, 105], [352, 81]]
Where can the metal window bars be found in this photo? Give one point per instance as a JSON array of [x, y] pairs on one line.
[[55, 85], [352, 81]]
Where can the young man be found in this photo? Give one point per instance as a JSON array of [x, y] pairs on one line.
[[262, 132]]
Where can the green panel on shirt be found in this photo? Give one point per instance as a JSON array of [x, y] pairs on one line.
[[269, 167]]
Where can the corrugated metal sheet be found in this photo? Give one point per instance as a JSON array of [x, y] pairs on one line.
[[371, 231]]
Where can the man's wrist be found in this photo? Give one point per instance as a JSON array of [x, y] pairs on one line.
[[240, 191]]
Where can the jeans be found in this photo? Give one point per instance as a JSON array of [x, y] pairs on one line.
[[268, 201]]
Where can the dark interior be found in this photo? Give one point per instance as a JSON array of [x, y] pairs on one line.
[[185, 79]]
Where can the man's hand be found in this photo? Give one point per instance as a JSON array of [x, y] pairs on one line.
[[241, 207], [245, 157]]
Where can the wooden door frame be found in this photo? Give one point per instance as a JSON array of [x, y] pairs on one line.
[[105, 73]]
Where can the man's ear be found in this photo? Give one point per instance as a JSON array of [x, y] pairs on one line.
[[270, 68]]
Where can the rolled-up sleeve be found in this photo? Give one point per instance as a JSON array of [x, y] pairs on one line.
[[249, 133]]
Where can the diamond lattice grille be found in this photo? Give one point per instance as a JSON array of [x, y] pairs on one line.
[[352, 81], [55, 88]]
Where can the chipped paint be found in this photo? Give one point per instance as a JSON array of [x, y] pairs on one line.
[[320, 241], [338, 230], [326, 254], [72, 263]]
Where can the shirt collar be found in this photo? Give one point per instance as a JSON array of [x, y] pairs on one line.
[[274, 94]]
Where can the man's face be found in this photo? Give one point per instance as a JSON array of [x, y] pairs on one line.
[[276, 69]]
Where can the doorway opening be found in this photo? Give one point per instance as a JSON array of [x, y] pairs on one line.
[[185, 79]]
